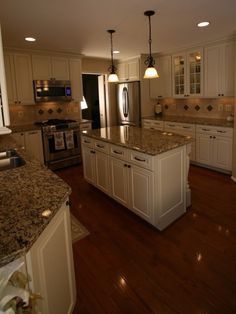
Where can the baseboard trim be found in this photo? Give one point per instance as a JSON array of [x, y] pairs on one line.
[[234, 179]]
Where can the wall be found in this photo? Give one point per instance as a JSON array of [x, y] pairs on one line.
[[28, 114], [95, 65]]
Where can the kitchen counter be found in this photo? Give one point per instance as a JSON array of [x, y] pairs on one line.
[[143, 140], [193, 120], [26, 194]]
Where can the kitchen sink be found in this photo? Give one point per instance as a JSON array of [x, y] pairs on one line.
[[10, 159]]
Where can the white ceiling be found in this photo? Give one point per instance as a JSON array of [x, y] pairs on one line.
[[80, 25]]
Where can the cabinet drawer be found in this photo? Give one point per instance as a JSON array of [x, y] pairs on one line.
[[141, 159], [85, 126], [101, 146], [147, 123], [222, 131], [87, 141], [118, 152]]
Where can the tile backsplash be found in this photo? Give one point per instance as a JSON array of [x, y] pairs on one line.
[[28, 114], [197, 107]]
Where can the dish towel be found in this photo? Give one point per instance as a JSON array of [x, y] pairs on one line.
[[69, 139], [59, 141]]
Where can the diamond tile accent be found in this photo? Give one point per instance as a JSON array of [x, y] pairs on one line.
[[50, 111], [166, 107], [40, 111], [209, 107], [186, 107], [59, 110], [197, 108]]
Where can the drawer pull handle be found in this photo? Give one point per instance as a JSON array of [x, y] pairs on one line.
[[100, 146], [118, 152], [186, 127], [171, 124], [220, 131], [87, 142], [139, 159], [206, 129], [92, 152]]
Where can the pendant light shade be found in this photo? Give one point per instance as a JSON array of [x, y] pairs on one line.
[[150, 72], [112, 69]]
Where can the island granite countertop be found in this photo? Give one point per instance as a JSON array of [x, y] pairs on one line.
[[151, 142], [26, 193], [193, 120]]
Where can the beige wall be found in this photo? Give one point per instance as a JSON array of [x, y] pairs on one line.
[[95, 65]]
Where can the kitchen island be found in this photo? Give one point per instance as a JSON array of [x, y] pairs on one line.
[[144, 170], [35, 228]]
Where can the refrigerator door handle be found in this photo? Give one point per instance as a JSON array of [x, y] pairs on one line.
[[125, 102]]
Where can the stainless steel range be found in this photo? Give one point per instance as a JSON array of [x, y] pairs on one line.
[[61, 143]]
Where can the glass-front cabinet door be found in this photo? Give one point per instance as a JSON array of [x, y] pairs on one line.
[[187, 74]]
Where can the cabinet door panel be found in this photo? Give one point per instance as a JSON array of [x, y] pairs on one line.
[[24, 79], [204, 149], [227, 77], [222, 153], [141, 183], [102, 172], [10, 78], [42, 69], [89, 165], [119, 181], [161, 87], [60, 68], [76, 79], [34, 145]]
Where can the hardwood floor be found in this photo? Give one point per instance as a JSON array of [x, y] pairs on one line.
[[127, 266]]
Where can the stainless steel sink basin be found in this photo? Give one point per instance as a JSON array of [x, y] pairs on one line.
[[10, 159]]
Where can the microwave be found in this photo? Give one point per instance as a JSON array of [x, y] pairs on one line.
[[52, 90]]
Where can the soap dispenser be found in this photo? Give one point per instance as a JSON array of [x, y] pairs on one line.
[[158, 109]]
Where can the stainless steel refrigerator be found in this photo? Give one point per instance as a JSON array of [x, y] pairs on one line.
[[129, 103]]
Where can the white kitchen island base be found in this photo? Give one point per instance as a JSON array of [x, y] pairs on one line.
[[155, 187]]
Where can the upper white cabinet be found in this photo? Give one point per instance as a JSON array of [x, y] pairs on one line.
[[76, 79], [187, 74], [219, 70], [129, 70], [19, 78], [47, 67], [161, 87]]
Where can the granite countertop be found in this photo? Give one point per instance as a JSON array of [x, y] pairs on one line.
[[26, 193], [193, 120], [151, 142]]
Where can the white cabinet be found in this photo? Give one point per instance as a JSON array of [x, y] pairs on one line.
[[31, 141], [219, 70], [185, 129], [129, 70], [96, 164], [47, 67], [153, 124], [161, 87], [187, 75], [214, 147], [50, 266], [19, 78], [153, 187], [76, 79]]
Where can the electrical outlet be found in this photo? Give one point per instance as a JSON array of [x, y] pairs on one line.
[[20, 114], [228, 108], [220, 107]]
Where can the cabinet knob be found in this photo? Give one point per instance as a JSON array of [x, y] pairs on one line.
[[19, 102], [68, 203], [129, 166], [125, 165]]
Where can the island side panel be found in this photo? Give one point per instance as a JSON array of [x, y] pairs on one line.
[[170, 186]]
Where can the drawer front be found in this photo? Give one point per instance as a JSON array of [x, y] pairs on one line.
[[147, 124], [87, 141], [158, 125], [101, 146], [205, 129], [187, 127], [142, 160], [85, 126], [118, 152]]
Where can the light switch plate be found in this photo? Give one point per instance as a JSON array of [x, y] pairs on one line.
[[220, 107], [228, 108]]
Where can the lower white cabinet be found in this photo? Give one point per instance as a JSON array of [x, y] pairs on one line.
[[153, 187], [50, 266], [31, 141], [153, 124], [214, 147], [96, 168]]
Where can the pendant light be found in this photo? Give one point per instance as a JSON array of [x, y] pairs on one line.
[[112, 69], [150, 72]]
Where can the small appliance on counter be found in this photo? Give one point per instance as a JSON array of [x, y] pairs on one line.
[[158, 110], [230, 118]]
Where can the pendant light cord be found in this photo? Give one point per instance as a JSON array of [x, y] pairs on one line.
[[112, 61], [150, 37]]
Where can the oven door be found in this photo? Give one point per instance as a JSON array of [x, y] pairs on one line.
[[54, 153]]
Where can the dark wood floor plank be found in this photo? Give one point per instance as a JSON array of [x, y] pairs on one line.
[[126, 265]]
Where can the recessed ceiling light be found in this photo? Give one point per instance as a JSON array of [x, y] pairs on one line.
[[203, 24], [116, 51], [30, 39]]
